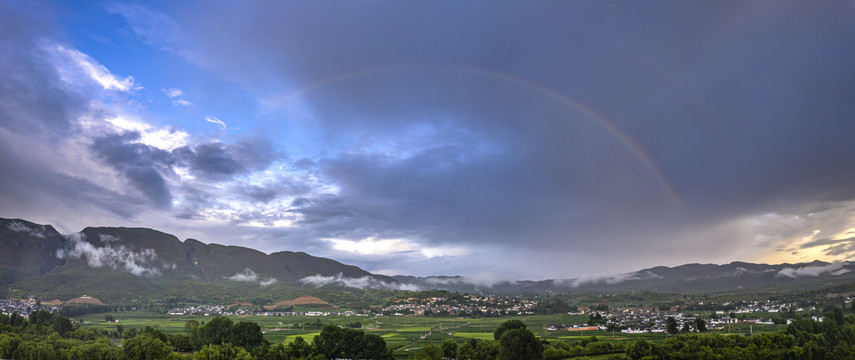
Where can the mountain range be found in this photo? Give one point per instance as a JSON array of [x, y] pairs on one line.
[[115, 263]]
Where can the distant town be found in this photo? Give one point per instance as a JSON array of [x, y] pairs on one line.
[[630, 319]]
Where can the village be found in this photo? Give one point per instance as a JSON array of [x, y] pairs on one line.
[[632, 320], [23, 307], [462, 305], [627, 319]]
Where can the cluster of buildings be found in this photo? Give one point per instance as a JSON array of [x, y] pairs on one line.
[[23, 307], [460, 305], [204, 310], [463, 305], [649, 319]]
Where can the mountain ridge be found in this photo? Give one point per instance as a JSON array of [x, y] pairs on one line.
[[685, 278], [116, 262]]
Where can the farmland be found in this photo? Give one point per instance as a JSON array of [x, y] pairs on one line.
[[404, 334]]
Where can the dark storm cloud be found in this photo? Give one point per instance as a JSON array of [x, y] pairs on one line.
[[220, 160], [766, 114], [839, 249], [824, 242], [37, 112], [450, 193], [31, 98], [195, 201], [141, 164], [832, 247], [146, 167], [209, 159], [28, 185], [269, 192], [743, 106]]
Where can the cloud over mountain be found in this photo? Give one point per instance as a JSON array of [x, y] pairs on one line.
[[364, 282], [250, 276], [113, 254]]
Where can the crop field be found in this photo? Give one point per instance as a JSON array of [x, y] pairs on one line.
[[405, 334]]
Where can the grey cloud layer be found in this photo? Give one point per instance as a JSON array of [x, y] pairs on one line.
[[745, 107], [459, 123]]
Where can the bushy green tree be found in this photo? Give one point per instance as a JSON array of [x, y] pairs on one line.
[[700, 324], [671, 325], [429, 351], [449, 348], [487, 350], [180, 342], [145, 346], [466, 352], [101, 349], [640, 349], [221, 352], [298, 349], [520, 344], [335, 342], [246, 334], [507, 325], [62, 325], [8, 344], [215, 332]]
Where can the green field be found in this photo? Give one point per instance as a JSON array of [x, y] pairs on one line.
[[402, 333], [307, 337], [474, 335]]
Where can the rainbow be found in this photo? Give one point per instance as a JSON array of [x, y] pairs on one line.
[[544, 90]]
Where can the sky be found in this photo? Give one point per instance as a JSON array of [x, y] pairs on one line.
[[489, 139]]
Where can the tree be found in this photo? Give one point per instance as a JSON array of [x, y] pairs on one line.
[[8, 344], [99, 349], [429, 352], [190, 326], [222, 352], [486, 350], [449, 348], [214, 332], [62, 325], [330, 342], [466, 352], [520, 344], [181, 342], [39, 318], [371, 346], [334, 342], [146, 346], [160, 335], [507, 325], [299, 349], [109, 318], [246, 334], [700, 324], [640, 349], [837, 315], [671, 325]]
